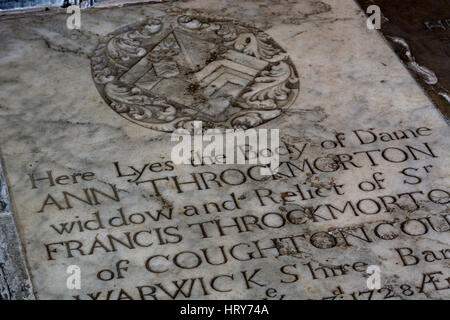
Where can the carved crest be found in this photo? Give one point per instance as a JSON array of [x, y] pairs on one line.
[[166, 73]]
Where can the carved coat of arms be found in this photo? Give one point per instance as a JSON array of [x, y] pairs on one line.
[[166, 73]]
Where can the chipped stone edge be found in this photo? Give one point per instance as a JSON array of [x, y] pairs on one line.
[[15, 282], [418, 72]]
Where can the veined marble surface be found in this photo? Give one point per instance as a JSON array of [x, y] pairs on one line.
[[53, 121]]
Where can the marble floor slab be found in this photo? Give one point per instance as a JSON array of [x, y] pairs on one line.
[[359, 208]]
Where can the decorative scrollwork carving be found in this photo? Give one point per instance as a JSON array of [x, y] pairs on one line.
[[168, 72], [272, 87]]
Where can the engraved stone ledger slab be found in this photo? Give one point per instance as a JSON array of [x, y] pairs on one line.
[[357, 210]]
